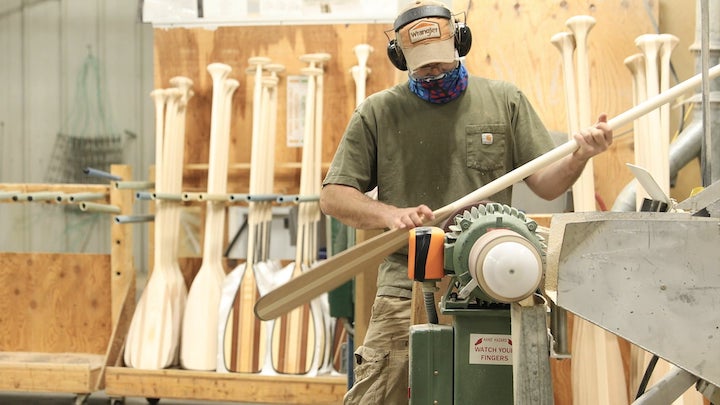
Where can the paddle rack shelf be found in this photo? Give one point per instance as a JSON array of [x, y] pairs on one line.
[[212, 386], [65, 315]]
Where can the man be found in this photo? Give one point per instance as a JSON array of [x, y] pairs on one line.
[[424, 144]]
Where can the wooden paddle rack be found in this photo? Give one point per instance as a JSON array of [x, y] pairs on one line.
[[65, 315], [177, 383]]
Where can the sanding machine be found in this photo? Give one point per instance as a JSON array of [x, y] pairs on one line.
[[494, 257], [655, 273]]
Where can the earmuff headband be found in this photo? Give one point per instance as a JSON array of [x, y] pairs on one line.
[[421, 12]]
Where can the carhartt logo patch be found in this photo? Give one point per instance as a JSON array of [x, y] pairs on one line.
[[424, 30], [487, 138]]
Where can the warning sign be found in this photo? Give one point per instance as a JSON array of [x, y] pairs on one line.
[[490, 349]]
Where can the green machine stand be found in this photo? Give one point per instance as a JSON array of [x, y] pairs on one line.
[[494, 257]]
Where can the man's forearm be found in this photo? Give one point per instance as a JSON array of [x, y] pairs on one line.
[[557, 178], [352, 207]]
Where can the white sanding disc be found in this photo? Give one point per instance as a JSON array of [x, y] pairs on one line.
[[506, 266]]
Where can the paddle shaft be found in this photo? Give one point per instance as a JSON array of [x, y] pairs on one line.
[[342, 267]]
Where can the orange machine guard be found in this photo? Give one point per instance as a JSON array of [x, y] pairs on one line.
[[426, 245]]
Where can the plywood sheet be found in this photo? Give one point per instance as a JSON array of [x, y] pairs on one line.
[[54, 303]]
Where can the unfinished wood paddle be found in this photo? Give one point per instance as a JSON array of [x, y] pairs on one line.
[[658, 47], [584, 187], [565, 43], [243, 335], [636, 64], [160, 98], [657, 161], [340, 268], [596, 368], [175, 159], [360, 71], [269, 129], [320, 306], [150, 336], [198, 349], [295, 339]]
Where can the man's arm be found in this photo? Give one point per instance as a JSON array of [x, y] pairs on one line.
[[357, 210], [554, 180]]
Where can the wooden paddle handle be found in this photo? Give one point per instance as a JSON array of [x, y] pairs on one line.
[[342, 267]]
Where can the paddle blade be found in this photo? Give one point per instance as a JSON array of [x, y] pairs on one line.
[[198, 350], [329, 274], [244, 341], [294, 341]]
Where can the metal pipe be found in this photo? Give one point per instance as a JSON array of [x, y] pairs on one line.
[[42, 196], [94, 207], [129, 219], [77, 197], [8, 195], [262, 197], [191, 196], [101, 174], [144, 195], [134, 185], [706, 156], [167, 196], [669, 388], [213, 197], [238, 197]]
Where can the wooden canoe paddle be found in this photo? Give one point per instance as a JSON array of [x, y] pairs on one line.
[[297, 337], [153, 315], [174, 159], [153, 339], [160, 98], [269, 273], [199, 326], [243, 335], [340, 268]]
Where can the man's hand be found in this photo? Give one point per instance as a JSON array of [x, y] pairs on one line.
[[593, 140], [405, 218]]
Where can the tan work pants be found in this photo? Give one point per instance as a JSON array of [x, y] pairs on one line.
[[381, 363]]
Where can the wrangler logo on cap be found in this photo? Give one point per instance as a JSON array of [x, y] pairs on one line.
[[424, 30]]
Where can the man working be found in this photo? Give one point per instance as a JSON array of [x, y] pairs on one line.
[[425, 143]]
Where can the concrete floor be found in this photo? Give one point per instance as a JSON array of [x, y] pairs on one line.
[[99, 398]]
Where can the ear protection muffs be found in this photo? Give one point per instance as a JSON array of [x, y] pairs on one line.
[[462, 35]]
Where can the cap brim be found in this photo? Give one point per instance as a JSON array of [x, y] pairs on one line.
[[434, 52]]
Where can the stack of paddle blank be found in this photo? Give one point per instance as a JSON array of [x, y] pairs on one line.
[[301, 338], [650, 70], [596, 368], [154, 333], [200, 321]]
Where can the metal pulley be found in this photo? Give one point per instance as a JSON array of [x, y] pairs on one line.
[[494, 254], [505, 265]]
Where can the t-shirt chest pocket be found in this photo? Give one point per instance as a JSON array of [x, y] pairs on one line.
[[485, 146]]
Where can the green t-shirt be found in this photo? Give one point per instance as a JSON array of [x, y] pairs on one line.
[[417, 152]]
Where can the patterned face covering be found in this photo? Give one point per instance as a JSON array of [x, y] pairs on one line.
[[443, 88]]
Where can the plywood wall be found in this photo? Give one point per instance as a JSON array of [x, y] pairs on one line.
[[511, 41], [187, 52]]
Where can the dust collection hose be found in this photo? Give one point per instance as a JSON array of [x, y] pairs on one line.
[[425, 263], [430, 304]]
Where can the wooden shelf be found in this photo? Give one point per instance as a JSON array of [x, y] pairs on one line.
[[50, 372], [212, 386], [54, 338]]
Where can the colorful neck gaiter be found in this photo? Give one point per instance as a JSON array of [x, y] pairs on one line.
[[441, 90]]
